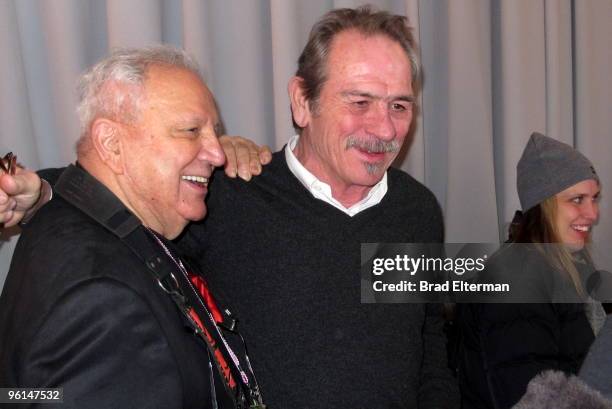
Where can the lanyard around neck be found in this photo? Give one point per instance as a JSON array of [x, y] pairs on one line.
[[214, 339]]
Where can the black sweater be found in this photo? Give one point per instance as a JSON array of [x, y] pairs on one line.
[[290, 264]]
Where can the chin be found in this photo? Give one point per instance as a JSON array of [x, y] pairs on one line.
[[369, 180], [194, 215], [365, 176], [574, 246], [199, 216]]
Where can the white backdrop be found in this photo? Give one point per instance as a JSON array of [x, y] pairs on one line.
[[495, 70]]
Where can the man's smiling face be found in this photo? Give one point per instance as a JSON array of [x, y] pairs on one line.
[[363, 113]]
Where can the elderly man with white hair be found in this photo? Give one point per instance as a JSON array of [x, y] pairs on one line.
[[97, 301]]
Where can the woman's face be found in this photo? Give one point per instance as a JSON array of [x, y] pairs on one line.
[[577, 212]]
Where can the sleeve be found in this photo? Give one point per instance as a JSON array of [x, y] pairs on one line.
[[190, 244], [438, 387], [202, 237], [102, 344], [518, 341], [51, 175]]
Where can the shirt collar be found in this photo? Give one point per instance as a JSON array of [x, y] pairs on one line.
[[322, 191]]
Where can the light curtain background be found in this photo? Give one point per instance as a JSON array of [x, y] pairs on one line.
[[495, 71]]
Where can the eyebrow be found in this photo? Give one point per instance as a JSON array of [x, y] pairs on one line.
[[190, 119], [407, 98], [583, 194]]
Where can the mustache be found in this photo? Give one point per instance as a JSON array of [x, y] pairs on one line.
[[372, 144]]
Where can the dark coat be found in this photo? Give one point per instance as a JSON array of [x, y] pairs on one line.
[[80, 311], [503, 346]]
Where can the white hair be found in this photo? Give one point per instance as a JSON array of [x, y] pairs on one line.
[[113, 87]]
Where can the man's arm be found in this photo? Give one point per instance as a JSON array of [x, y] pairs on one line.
[[104, 346], [23, 193]]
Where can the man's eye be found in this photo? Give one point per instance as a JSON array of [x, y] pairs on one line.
[[401, 107], [361, 103], [188, 133]]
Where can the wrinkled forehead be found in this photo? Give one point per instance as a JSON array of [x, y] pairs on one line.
[[354, 53]]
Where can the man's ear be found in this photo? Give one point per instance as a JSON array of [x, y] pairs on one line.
[[106, 139], [299, 103]]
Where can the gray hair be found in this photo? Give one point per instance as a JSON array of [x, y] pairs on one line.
[[113, 87]]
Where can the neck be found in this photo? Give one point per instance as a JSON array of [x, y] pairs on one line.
[[350, 195], [345, 193]]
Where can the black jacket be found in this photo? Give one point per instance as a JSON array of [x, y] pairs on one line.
[[81, 311], [503, 346]]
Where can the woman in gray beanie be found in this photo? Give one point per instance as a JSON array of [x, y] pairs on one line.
[[504, 345]]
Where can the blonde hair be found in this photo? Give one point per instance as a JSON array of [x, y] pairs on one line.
[[538, 226], [559, 256]]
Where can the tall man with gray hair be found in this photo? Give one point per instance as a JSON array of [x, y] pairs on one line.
[[290, 253], [97, 300], [285, 247]]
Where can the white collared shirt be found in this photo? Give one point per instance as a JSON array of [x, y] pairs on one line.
[[322, 191]]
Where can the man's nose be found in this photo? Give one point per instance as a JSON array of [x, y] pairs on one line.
[[380, 123], [211, 151]]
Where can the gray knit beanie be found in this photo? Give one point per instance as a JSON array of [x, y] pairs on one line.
[[548, 167]]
